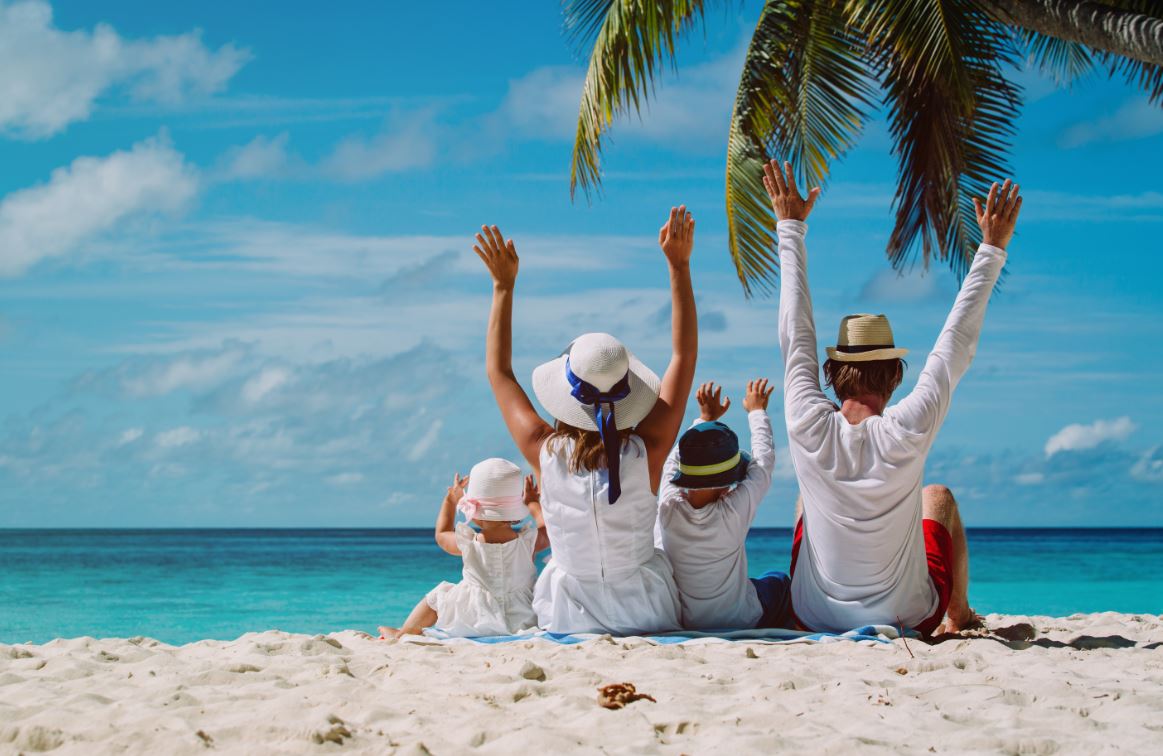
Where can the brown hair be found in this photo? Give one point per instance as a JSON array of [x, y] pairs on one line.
[[854, 379], [588, 452]]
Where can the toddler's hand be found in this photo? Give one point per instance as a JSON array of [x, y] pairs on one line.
[[532, 490], [757, 396], [456, 490], [712, 405]]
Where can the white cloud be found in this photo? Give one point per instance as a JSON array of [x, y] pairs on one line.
[[690, 107], [406, 143], [425, 443], [267, 380], [129, 435], [177, 437], [890, 286], [1077, 436], [1149, 467], [189, 371], [1136, 119], [257, 159], [1029, 479], [88, 198], [345, 479], [50, 78]]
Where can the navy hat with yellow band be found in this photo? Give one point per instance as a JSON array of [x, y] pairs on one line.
[[709, 457]]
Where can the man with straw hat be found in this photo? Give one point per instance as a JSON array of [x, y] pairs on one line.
[[872, 544]]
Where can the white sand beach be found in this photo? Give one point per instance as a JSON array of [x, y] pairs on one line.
[[1085, 684]]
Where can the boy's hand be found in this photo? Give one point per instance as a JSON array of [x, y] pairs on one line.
[[780, 183], [532, 490], [712, 405], [757, 396], [1000, 213], [677, 236], [456, 490]]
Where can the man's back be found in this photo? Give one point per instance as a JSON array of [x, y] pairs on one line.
[[862, 557]]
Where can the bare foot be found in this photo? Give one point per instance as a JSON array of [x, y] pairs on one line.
[[390, 633], [956, 624]]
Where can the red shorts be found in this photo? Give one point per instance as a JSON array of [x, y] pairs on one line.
[[939, 555]]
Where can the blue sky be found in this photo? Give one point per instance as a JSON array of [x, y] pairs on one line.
[[237, 286]]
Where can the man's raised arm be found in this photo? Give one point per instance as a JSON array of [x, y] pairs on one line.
[[924, 409], [797, 329]]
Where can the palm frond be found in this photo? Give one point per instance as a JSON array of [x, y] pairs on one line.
[[632, 39], [1062, 60], [804, 95], [951, 117]]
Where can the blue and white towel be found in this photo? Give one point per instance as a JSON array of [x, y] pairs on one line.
[[868, 633]]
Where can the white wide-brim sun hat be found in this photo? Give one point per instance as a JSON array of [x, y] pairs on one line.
[[601, 360], [864, 338], [495, 478]]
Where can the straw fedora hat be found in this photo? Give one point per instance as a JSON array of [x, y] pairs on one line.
[[602, 361], [864, 338], [495, 478]]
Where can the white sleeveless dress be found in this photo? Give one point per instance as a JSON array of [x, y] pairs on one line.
[[495, 594], [605, 575]]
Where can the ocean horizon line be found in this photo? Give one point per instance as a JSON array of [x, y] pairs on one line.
[[428, 529]]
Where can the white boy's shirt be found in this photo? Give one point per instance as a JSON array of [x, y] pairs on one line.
[[706, 546], [862, 560]]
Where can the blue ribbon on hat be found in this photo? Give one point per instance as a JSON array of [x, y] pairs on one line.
[[591, 395]]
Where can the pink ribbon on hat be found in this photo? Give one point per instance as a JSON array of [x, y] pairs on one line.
[[495, 508]]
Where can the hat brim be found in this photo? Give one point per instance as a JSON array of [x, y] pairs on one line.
[[553, 391], [721, 480], [875, 354]]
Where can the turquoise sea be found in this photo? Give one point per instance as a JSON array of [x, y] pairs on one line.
[[185, 585]]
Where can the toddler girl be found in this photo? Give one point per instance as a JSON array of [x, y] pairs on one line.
[[495, 594]]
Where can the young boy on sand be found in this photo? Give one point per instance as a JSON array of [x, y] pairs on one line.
[[708, 498], [495, 595]]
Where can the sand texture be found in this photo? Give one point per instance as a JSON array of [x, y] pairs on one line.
[[1085, 684]]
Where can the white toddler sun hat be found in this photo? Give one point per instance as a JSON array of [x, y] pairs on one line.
[[495, 492], [864, 338], [602, 361]]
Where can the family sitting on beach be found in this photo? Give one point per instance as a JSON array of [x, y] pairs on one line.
[[648, 537]]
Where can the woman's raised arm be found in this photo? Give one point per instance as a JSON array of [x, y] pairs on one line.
[[527, 428], [659, 429]]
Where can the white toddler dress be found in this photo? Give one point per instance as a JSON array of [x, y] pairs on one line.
[[605, 576], [495, 594]]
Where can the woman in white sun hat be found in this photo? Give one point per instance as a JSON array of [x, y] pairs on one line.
[[495, 594], [601, 463]]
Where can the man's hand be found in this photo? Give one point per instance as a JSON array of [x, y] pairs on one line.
[[757, 396], [499, 255], [532, 491], [712, 405], [1000, 214], [456, 490], [677, 236], [785, 197]]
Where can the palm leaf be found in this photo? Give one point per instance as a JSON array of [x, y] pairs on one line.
[[804, 95], [951, 115], [632, 38]]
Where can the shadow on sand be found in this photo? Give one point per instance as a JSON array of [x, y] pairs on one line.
[[1023, 635]]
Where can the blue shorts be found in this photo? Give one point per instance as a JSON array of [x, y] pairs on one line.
[[774, 591]]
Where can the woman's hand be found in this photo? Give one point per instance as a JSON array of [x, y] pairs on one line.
[[1000, 214], [757, 396], [677, 236], [785, 197], [712, 405], [499, 255]]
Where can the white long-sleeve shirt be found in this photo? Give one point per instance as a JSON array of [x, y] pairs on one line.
[[862, 559], [706, 545]]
